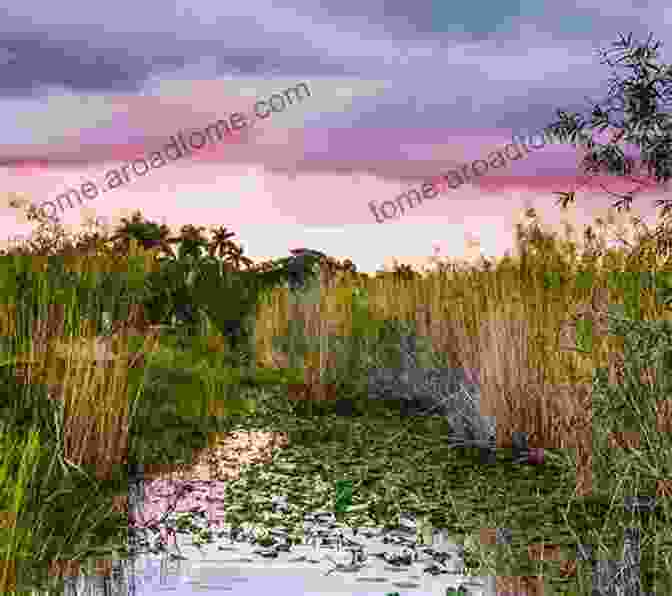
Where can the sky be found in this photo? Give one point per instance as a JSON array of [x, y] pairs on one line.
[[400, 93]]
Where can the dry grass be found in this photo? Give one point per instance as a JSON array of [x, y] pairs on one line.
[[519, 342], [518, 339], [89, 375]]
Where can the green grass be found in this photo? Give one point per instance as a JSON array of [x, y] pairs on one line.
[[395, 464]]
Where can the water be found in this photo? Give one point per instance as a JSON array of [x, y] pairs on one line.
[[239, 568], [326, 562], [383, 562]]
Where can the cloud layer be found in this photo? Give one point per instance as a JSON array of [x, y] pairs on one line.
[[400, 94]]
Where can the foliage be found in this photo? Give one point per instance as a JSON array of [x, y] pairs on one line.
[[149, 234], [643, 125], [204, 281]]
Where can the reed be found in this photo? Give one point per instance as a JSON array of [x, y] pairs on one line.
[[532, 329], [506, 324], [88, 387]]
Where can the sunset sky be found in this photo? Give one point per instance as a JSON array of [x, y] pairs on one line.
[[399, 93]]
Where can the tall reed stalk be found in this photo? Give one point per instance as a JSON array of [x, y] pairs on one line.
[[90, 395], [507, 324]]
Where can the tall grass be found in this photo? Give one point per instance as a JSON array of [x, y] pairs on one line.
[[533, 330], [77, 392], [50, 348]]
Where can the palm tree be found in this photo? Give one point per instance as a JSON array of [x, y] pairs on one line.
[[192, 242], [235, 257], [191, 263], [220, 244], [147, 233]]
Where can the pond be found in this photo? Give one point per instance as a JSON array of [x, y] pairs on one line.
[[228, 565]]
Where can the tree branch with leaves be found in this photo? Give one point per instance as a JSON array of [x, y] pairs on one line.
[[643, 125]]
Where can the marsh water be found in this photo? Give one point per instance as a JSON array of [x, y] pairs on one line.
[[232, 568], [229, 565]]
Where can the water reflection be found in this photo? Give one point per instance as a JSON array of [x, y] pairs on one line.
[[114, 584], [109, 577], [133, 574], [118, 576]]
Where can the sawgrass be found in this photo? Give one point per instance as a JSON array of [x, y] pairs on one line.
[[61, 465]]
